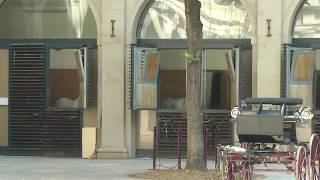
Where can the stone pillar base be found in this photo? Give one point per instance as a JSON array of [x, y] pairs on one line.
[[104, 153]]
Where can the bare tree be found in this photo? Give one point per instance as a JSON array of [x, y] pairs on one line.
[[195, 155]]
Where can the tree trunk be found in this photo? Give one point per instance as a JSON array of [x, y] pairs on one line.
[[195, 155]]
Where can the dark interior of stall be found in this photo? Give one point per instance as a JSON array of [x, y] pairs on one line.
[[216, 80]]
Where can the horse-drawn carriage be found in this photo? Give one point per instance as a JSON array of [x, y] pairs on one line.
[[264, 125]]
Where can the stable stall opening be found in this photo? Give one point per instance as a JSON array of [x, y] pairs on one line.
[[64, 78], [47, 117], [173, 79], [306, 35], [302, 73], [216, 84], [72, 78], [219, 78], [162, 29], [48, 98]]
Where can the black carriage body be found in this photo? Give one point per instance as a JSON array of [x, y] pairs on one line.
[[268, 120]]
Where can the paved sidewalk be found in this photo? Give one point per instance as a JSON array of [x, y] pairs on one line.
[[275, 175], [42, 168]]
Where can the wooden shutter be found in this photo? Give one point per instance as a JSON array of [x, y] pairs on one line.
[[146, 64], [300, 71]]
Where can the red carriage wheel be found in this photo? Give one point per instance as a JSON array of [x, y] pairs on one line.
[[314, 157], [231, 168], [246, 173], [301, 164]]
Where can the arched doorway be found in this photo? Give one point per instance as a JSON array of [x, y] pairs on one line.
[[226, 54], [300, 71], [49, 64], [306, 37]]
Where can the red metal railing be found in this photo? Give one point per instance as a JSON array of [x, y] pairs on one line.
[[157, 159]]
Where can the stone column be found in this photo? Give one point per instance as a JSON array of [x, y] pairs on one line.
[[269, 48], [113, 144]]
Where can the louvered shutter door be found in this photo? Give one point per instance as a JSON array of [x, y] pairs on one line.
[[146, 64], [63, 132], [300, 81], [245, 73], [284, 58], [27, 95], [300, 71], [35, 129], [90, 71]]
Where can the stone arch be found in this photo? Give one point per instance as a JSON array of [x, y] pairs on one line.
[[293, 9], [97, 15], [91, 7], [250, 8], [137, 8]]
